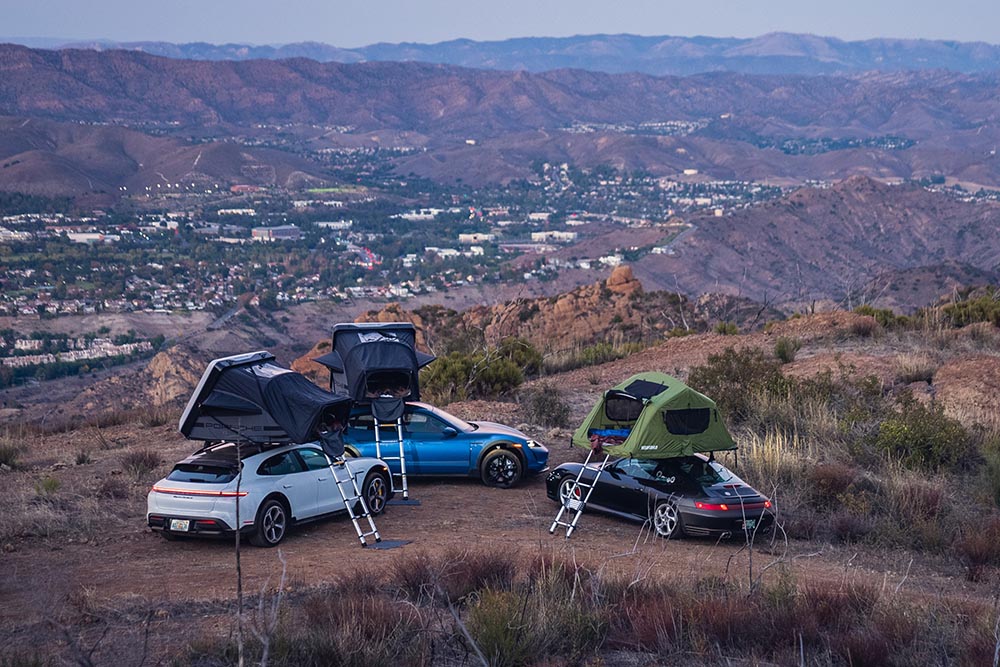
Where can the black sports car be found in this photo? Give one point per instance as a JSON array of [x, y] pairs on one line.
[[690, 495]]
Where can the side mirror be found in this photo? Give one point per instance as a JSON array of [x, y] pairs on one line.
[[449, 432]]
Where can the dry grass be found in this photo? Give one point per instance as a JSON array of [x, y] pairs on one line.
[[915, 367]]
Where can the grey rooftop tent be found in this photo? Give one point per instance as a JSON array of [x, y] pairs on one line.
[[375, 359], [653, 416], [248, 397]]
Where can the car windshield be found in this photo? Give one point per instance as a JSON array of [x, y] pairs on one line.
[[460, 424], [201, 473]]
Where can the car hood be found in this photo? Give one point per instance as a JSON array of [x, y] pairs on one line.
[[492, 428]]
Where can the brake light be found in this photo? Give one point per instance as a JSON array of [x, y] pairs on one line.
[[767, 504], [199, 492], [711, 506]]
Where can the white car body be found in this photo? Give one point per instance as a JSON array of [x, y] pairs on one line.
[[200, 495]]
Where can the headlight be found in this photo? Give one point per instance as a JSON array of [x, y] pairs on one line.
[[534, 444]]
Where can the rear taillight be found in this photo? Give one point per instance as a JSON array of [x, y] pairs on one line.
[[198, 492], [719, 507], [767, 504]]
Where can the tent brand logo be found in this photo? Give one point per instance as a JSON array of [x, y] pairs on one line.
[[376, 337], [648, 447]]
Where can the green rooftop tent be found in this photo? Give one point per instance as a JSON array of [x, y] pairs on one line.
[[653, 416]]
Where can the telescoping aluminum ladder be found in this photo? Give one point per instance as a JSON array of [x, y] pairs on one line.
[[401, 457], [349, 491], [577, 496]]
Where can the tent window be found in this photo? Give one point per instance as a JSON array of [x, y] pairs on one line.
[[687, 422], [387, 383], [622, 408]]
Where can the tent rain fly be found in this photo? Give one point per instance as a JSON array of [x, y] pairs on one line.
[[654, 416]]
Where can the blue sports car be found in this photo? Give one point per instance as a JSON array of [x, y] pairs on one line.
[[438, 443]]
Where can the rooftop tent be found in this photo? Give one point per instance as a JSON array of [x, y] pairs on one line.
[[248, 397], [375, 359], [654, 416]]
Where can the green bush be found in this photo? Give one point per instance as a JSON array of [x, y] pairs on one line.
[[923, 437], [884, 316], [727, 328], [488, 374], [10, 453], [732, 378], [786, 348]]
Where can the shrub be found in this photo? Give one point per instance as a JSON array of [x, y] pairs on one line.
[[885, 317], [727, 328], [10, 454], [785, 349], [113, 488], [544, 405], [924, 437], [829, 481], [139, 462], [864, 327], [488, 374], [914, 368], [731, 378], [47, 486], [978, 547], [83, 457]]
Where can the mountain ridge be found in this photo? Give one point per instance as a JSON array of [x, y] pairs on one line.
[[770, 53]]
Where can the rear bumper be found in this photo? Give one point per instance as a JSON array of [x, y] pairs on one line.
[[197, 525], [729, 523]]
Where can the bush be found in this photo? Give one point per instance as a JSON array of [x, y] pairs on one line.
[[733, 377], [83, 457], [10, 454], [544, 405], [139, 462], [785, 349], [113, 488], [727, 328], [486, 375], [924, 437], [914, 368], [978, 547], [864, 327], [47, 486]]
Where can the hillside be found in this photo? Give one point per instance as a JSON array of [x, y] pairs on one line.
[[52, 158], [854, 242], [773, 53], [744, 126]]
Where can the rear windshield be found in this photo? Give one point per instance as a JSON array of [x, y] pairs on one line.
[[199, 473]]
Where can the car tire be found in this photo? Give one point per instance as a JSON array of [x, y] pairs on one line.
[[271, 524], [567, 486], [501, 469], [667, 520], [375, 491]]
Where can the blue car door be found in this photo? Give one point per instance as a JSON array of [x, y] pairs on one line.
[[434, 446]]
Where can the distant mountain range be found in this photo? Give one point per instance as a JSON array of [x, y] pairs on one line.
[[773, 53], [488, 126]]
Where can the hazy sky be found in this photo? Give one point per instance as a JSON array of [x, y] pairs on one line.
[[358, 22]]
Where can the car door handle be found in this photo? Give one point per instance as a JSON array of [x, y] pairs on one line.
[[287, 486], [321, 479]]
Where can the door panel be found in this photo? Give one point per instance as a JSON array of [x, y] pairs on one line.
[[328, 498], [286, 474], [429, 450]]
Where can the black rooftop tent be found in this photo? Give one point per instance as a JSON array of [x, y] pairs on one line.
[[375, 359], [248, 397]]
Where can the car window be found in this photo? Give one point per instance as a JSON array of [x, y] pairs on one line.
[[637, 468], [421, 423], [691, 468], [314, 459], [285, 463], [363, 426]]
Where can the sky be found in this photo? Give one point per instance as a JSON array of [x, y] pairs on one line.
[[352, 23]]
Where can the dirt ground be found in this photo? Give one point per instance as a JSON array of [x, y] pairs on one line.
[[118, 569]]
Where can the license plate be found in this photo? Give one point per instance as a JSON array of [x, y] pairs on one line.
[[180, 525], [749, 524]]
